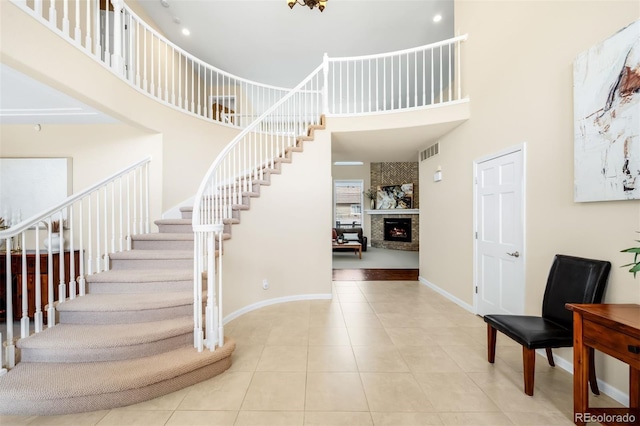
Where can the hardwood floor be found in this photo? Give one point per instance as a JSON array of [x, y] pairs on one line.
[[375, 274]]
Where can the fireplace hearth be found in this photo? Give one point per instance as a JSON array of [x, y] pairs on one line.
[[397, 229]]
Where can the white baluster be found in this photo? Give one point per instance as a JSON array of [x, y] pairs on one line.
[[50, 309], [72, 262], [53, 17], [82, 282], [106, 232], [62, 285], [77, 36], [38, 317], [24, 321]]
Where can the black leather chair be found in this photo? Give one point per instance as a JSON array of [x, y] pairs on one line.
[[571, 280]]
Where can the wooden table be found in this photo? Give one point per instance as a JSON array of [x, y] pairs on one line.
[[615, 330], [16, 278], [357, 247]]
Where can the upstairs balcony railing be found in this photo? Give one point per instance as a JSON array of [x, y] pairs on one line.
[[272, 119], [114, 35]]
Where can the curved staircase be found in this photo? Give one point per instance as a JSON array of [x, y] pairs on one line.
[[130, 338]]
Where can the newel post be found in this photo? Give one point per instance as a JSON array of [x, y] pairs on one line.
[[117, 60]]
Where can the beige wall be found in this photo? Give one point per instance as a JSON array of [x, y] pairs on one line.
[[518, 75], [97, 151], [284, 237]]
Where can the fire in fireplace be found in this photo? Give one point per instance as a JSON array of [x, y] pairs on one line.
[[397, 230]]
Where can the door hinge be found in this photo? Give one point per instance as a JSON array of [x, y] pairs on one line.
[[476, 235], [476, 289]]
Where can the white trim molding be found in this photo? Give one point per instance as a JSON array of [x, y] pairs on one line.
[[275, 301], [446, 294]]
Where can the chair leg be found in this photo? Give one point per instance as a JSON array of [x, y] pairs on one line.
[[529, 365], [491, 344], [550, 357], [592, 372]]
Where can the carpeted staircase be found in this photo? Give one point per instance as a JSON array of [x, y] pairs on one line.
[[130, 338]]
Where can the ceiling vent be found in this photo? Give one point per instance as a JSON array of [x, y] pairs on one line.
[[430, 152]]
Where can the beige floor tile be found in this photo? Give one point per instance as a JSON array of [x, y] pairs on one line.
[[221, 393], [399, 320], [165, 402], [473, 358], [24, 420], [454, 392], [428, 359], [539, 419], [328, 336], [275, 391], [283, 358], [288, 335], [246, 357], [335, 392], [352, 289], [202, 418], [450, 336], [356, 307], [362, 319], [251, 335], [270, 418], [332, 319], [331, 358], [351, 297], [134, 418], [379, 359], [394, 392], [410, 336], [365, 336], [506, 391], [323, 418], [475, 419], [80, 419], [406, 419]]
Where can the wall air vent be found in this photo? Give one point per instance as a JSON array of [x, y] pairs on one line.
[[430, 152]]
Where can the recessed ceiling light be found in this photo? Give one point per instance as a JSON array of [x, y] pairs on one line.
[[348, 163], [164, 3], [186, 31], [437, 18]]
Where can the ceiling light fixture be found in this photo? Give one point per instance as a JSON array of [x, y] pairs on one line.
[[311, 3], [437, 18], [186, 31]]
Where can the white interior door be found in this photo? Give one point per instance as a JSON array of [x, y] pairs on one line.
[[499, 210]]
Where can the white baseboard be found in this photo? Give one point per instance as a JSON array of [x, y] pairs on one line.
[[446, 294], [269, 302], [606, 388]]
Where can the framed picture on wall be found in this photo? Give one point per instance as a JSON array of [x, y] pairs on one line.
[[395, 197]]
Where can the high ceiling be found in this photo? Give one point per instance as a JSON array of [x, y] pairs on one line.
[[265, 41]]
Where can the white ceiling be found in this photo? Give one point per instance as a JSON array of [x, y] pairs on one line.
[[265, 41]]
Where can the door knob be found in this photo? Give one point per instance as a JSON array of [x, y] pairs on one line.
[[514, 254]]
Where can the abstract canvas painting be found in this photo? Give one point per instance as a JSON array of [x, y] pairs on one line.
[[395, 197], [606, 91]]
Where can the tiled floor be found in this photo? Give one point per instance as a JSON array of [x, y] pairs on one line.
[[380, 353]]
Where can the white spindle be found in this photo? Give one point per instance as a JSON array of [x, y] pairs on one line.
[[440, 77], [81, 283], [72, 263], [53, 17], [450, 64], [98, 235], [77, 36], [24, 320], [50, 310], [38, 317], [105, 258], [87, 36], [90, 237], [62, 286]]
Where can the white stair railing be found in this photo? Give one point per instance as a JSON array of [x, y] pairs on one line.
[[244, 163], [90, 225]]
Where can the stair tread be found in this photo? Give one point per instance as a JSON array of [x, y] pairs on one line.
[[126, 302], [69, 380], [152, 254], [140, 275], [163, 236], [172, 222], [96, 336]]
